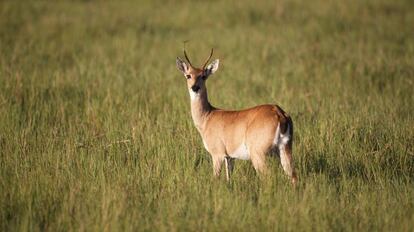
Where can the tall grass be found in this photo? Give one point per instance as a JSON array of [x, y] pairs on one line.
[[96, 134]]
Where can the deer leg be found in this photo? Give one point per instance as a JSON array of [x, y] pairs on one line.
[[287, 162], [217, 162], [229, 167], [259, 162]]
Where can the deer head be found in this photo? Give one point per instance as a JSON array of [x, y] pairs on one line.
[[196, 77]]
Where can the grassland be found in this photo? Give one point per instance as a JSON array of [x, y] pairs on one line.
[[96, 132]]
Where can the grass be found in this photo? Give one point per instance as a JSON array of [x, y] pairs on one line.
[[96, 132]]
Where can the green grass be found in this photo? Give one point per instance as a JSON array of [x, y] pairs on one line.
[[96, 132]]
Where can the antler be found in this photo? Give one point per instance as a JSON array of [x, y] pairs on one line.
[[208, 59], [188, 60], [186, 57]]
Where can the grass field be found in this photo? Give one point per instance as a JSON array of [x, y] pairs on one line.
[[96, 132]]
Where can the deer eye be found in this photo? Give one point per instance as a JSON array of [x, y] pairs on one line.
[[188, 76]]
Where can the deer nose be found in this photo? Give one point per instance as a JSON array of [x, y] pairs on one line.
[[195, 88]]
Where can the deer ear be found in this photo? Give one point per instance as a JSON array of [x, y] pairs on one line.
[[181, 65], [212, 67]]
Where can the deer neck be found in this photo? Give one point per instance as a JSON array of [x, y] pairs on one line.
[[200, 108]]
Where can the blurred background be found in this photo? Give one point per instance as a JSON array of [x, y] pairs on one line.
[[96, 131]]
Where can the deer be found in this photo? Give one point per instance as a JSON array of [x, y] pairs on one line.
[[249, 134]]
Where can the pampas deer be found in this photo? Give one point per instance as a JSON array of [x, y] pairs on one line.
[[248, 134]]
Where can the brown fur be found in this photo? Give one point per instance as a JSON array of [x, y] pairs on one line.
[[224, 131]]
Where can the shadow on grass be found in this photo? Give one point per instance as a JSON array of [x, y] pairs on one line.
[[335, 170], [367, 169]]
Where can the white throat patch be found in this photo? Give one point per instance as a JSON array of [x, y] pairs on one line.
[[193, 95]]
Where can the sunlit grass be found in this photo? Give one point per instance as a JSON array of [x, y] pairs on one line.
[[96, 134]]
